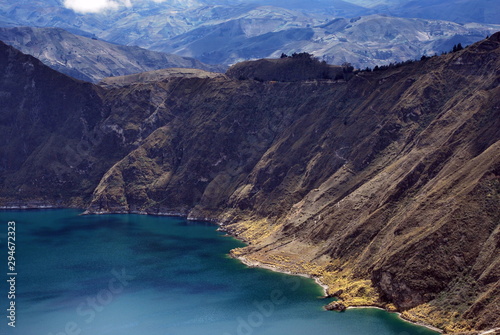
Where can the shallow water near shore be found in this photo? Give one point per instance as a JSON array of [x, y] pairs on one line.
[[134, 275]]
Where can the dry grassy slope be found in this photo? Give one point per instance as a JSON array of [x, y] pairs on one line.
[[387, 182], [157, 75]]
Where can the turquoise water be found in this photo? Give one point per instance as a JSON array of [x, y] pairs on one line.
[[135, 275]]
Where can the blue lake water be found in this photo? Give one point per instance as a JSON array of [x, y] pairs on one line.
[[135, 275]]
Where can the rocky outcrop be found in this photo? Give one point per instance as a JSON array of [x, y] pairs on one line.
[[298, 67], [336, 306]]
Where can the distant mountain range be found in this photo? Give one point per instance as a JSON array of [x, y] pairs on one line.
[[225, 32], [460, 11], [363, 41], [91, 59]]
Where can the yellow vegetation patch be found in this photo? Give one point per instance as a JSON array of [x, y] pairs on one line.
[[255, 231], [450, 322], [351, 290]]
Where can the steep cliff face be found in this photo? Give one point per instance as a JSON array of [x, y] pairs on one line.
[[386, 186], [44, 117]]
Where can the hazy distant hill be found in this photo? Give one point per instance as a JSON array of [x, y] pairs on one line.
[[461, 11], [363, 41], [225, 32], [91, 59]]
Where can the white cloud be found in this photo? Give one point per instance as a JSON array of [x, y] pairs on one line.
[[95, 6]]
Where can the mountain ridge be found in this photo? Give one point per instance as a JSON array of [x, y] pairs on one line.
[[90, 59]]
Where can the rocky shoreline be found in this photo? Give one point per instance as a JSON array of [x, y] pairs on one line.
[[339, 307], [255, 264]]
